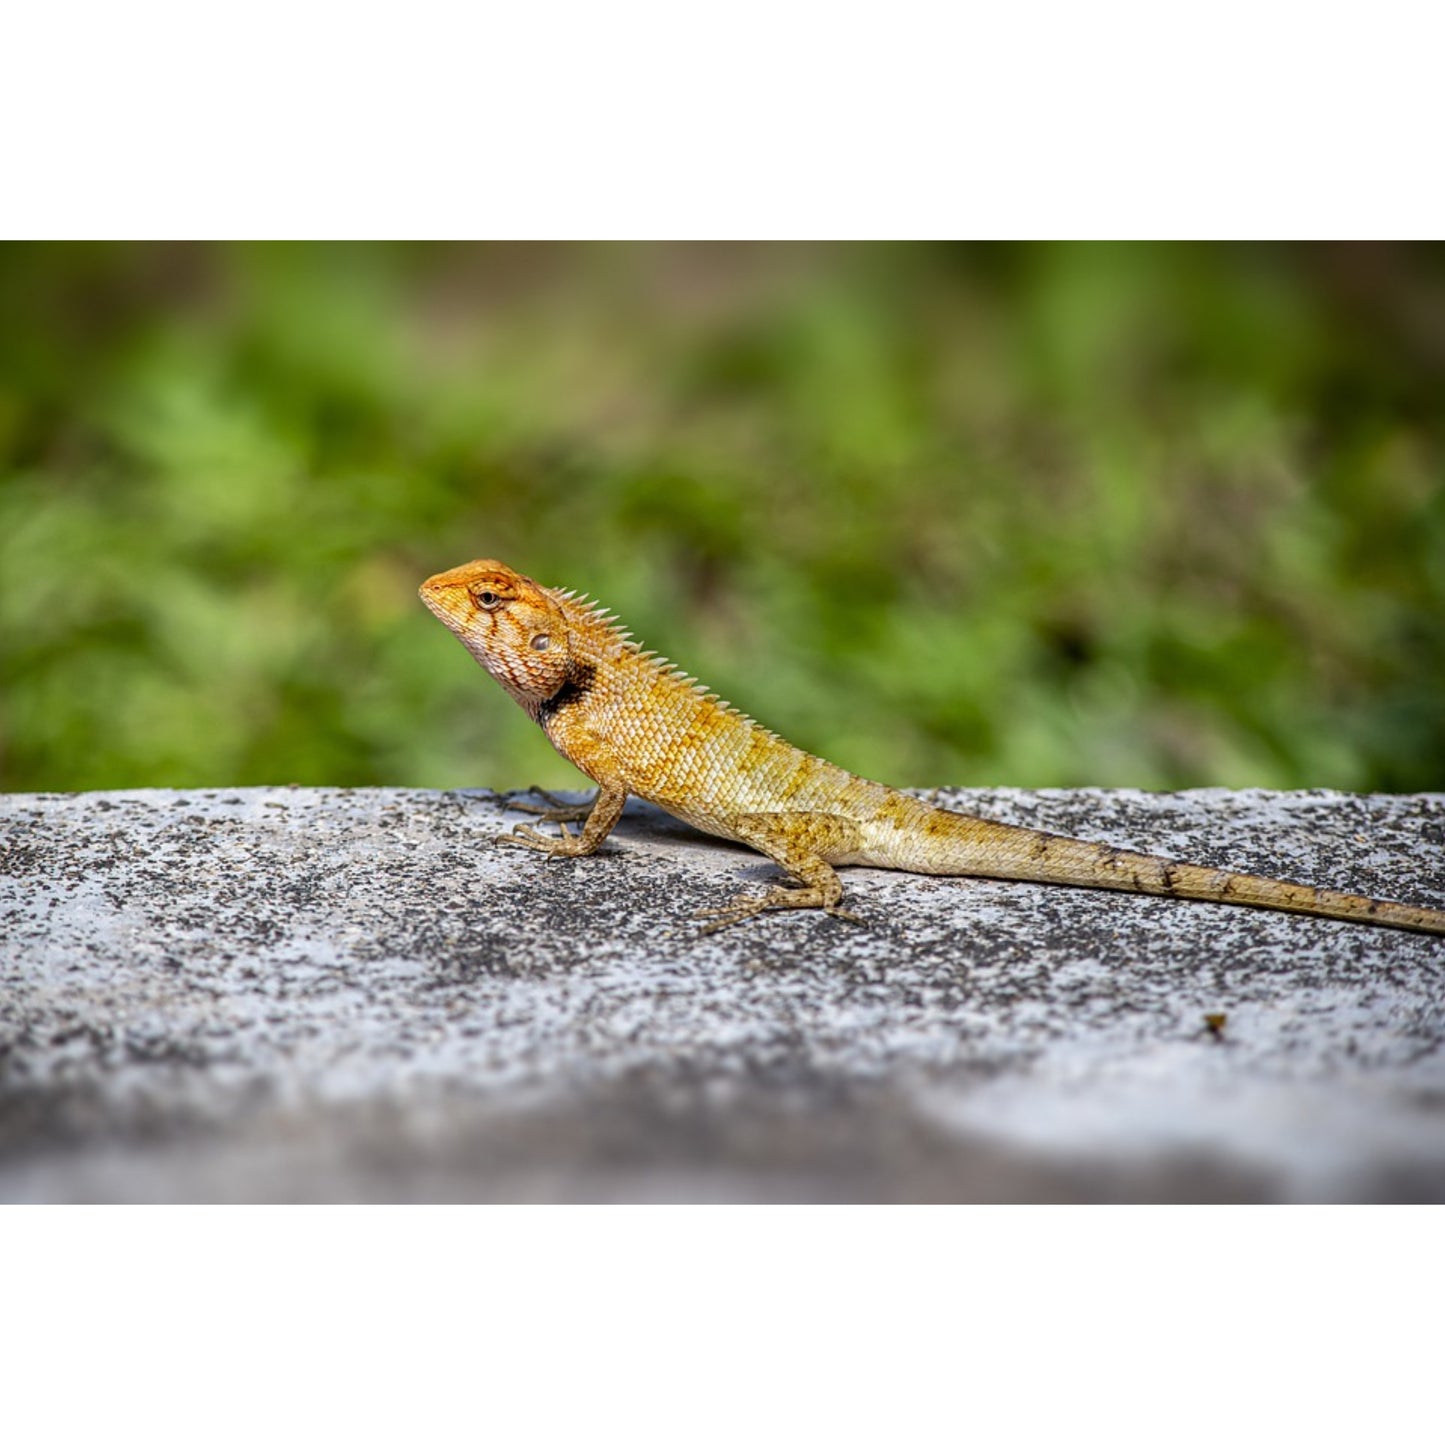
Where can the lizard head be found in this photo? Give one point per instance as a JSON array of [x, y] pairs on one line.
[[513, 627]]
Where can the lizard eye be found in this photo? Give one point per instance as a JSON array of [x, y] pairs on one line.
[[489, 600], [541, 642]]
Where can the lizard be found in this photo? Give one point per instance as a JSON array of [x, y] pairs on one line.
[[638, 725]]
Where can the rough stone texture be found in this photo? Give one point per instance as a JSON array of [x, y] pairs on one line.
[[277, 994]]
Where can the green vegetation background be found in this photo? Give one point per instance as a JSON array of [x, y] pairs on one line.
[[1131, 515]]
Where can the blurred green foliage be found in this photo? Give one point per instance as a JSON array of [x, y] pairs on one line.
[[1130, 515]]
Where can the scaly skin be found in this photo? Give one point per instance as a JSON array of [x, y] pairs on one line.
[[635, 724]]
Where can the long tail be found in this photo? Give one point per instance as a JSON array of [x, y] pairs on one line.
[[976, 847]]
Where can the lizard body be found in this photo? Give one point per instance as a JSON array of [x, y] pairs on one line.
[[635, 724]]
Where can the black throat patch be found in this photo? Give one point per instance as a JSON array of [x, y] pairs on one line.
[[580, 676]]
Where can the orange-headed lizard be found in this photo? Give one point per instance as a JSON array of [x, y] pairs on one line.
[[636, 724]]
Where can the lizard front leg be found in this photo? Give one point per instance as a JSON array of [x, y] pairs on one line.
[[800, 843], [604, 813]]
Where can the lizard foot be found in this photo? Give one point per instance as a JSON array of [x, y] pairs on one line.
[[744, 907], [524, 835]]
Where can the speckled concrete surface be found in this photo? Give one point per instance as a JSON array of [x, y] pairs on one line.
[[272, 994]]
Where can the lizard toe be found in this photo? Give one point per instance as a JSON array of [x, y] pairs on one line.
[[737, 911], [556, 809], [526, 836]]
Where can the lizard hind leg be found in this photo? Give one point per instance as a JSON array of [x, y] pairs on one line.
[[802, 844]]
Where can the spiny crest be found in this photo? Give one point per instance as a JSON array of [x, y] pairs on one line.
[[592, 614], [584, 610]]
